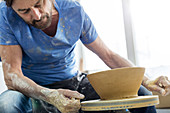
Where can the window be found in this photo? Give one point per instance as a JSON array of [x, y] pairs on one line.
[[107, 17], [151, 22]]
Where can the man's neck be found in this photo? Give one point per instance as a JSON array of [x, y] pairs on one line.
[[54, 10], [52, 29]]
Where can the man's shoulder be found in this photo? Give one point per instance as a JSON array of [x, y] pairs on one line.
[[66, 4], [5, 11], [8, 17], [2, 4], [3, 7]]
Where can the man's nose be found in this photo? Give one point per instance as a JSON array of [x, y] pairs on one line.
[[35, 12]]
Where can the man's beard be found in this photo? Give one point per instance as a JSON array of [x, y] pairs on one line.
[[40, 24]]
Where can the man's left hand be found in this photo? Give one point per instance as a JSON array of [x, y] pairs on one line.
[[160, 85]]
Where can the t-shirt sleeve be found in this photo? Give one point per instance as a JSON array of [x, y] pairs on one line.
[[7, 37], [88, 33]]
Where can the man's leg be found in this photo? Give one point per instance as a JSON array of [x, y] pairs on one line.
[[90, 94], [14, 102], [151, 109], [40, 106], [86, 89]]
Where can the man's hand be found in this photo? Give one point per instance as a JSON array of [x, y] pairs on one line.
[[66, 101], [160, 85]]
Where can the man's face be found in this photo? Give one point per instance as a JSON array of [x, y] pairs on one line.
[[37, 13]]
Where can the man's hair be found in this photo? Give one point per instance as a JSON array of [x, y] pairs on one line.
[[9, 2]]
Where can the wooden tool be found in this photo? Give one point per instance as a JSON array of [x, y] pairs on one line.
[[127, 103]]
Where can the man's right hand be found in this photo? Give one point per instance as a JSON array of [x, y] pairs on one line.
[[66, 101]]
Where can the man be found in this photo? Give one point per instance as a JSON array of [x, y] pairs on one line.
[[37, 40]]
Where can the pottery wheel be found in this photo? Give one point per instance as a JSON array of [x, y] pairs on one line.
[[127, 103]]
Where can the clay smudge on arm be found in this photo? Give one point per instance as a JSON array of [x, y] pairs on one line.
[[17, 81]]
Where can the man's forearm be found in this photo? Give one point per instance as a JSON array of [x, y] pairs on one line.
[[110, 58], [114, 60], [144, 81], [18, 82]]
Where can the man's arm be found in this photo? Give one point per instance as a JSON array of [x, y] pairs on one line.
[[110, 58], [11, 56], [11, 61], [113, 60]]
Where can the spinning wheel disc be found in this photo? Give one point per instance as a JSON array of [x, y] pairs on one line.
[[136, 102]]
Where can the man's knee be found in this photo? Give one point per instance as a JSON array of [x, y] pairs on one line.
[[11, 101]]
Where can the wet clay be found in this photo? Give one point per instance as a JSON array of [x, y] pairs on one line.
[[117, 83]]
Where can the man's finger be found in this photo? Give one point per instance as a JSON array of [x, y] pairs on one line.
[[166, 83], [157, 89], [72, 94], [167, 93], [163, 82], [167, 90], [78, 95], [166, 78], [73, 106]]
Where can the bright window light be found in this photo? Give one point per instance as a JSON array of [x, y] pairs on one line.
[[151, 21], [107, 17]]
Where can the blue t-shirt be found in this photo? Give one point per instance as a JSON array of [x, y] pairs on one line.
[[48, 59]]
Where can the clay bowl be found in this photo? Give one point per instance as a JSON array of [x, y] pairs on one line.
[[117, 83]]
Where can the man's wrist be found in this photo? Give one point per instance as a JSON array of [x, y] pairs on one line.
[[45, 93], [145, 80]]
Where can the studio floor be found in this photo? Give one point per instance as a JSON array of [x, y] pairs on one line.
[[163, 110]]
